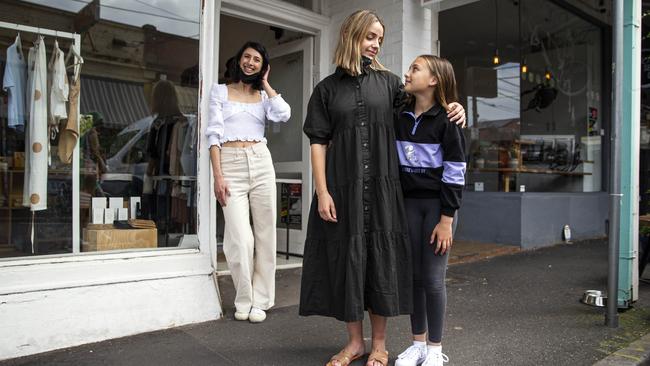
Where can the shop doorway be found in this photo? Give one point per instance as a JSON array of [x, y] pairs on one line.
[[291, 54]]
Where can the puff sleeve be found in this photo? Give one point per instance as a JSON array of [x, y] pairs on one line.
[[318, 126], [214, 130], [276, 109]]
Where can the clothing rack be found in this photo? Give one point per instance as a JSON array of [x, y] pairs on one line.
[[76, 46]]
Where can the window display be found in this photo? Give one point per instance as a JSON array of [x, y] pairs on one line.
[[126, 100], [532, 83]]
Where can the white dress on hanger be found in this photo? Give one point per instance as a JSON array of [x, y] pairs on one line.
[[59, 87], [14, 83], [36, 131]]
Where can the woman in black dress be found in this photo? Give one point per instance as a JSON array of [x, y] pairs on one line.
[[357, 254]]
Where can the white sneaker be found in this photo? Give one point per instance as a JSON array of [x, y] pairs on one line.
[[257, 315], [435, 359], [412, 356], [240, 315]]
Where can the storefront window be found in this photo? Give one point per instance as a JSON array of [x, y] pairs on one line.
[[532, 83], [136, 134]]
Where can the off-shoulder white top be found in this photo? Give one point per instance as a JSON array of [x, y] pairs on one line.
[[238, 121]]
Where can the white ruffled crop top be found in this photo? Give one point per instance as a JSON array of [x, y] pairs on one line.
[[237, 121]]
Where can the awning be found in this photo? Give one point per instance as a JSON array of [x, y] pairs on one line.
[[119, 102]]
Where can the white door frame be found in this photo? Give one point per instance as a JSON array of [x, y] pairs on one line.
[[304, 165]]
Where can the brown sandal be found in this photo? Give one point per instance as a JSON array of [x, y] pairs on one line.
[[344, 358], [378, 356]]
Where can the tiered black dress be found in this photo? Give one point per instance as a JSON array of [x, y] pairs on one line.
[[363, 261]]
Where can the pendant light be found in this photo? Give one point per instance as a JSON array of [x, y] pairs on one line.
[[495, 59]]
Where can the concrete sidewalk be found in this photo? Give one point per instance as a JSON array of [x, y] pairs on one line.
[[518, 309]]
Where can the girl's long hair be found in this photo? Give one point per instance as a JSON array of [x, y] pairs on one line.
[[348, 50], [446, 91]]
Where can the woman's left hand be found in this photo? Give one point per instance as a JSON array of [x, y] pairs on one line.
[[456, 113], [265, 78], [442, 237]]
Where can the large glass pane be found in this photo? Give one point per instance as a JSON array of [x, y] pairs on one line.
[[561, 100], [489, 88], [137, 98], [532, 83]]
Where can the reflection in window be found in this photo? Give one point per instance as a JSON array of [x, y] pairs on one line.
[[133, 47], [535, 116]]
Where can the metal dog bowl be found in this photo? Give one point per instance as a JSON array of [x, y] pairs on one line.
[[594, 298]]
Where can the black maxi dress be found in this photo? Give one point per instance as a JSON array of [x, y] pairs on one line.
[[363, 262]]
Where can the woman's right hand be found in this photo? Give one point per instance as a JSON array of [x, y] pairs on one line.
[[326, 208], [221, 190]]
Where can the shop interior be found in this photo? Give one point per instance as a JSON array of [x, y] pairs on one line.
[[532, 84]]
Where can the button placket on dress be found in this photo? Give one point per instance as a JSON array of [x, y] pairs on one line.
[[365, 152]]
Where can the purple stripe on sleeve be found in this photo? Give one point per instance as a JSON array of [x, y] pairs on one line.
[[419, 155], [453, 172]]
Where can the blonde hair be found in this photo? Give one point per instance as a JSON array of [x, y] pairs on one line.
[[348, 50], [445, 92]]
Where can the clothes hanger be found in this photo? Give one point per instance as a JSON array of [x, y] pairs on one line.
[[19, 42], [78, 59]]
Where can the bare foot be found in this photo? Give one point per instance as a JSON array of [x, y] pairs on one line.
[[353, 349]]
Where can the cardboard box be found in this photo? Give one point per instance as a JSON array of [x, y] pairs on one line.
[[106, 237]]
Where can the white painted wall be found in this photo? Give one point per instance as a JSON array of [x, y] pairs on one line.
[[41, 321], [416, 32], [391, 12], [408, 29]]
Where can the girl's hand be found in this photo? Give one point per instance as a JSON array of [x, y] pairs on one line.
[[442, 237], [326, 208], [221, 190], [456, 113]]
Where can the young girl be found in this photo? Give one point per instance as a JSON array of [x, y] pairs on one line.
[[432, 173]]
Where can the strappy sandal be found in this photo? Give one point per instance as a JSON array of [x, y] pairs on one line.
[[344, 358], [378, 356]]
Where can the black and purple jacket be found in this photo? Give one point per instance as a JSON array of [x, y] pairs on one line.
[[431, 156]]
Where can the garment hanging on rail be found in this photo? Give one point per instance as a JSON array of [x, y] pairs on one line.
[[69, 130], [36, 131], [58, 86], [14, 83]]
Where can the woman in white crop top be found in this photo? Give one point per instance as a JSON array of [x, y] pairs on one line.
[[244, 178]]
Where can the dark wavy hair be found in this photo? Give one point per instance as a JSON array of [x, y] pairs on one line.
[[234, 72]]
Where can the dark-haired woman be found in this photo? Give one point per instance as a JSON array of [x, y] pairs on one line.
[[244, 179]]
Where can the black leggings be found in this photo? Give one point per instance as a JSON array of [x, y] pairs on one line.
[[429, 290]]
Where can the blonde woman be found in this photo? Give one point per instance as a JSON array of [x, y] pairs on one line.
[[357, 254]]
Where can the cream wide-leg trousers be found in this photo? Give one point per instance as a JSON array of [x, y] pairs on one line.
[[250, 251]]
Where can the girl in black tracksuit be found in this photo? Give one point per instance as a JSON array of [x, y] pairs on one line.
[[432, 173]]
